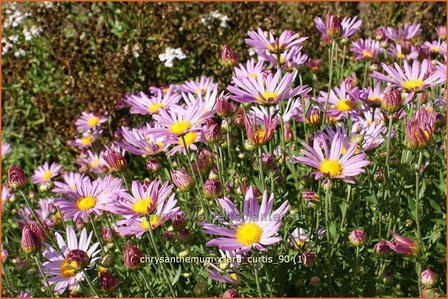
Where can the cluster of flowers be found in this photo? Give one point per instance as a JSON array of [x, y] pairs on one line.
[[348, 123]]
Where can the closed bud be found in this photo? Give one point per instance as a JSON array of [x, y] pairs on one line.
[[429, 278], [392, 101], [309, 258], [228, 56], [107, 234], [182, 180], [315, 281], [249, 146], [79, 257], [16, 178], [152, 165], [314, 65], [403, 245], [187, 274], [115, 161], [380, 34], [32, 238], [231, 293], [381, 248], [379, 175], [184, 235], [107, 281], [213, 189], [357, 237], [225, 107], [287, 132], [213, 132], [132, 256], [46, 187], [333, 25]]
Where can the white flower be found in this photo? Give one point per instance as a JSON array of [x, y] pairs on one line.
[[213, 16], [171, 54]]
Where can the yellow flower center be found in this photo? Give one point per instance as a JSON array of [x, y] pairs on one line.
[[188, 139], [331, 168], [367, 54], [86, 203], [249, 233], [313, 119], [87, 140], [200, 91], [154, 222], [234, 276], [95, 163], [154, 108], [93, 121], [253, 75], [435, 49], [401, 55], [375, 99], [298, 244], [413, 85], [180, 127], [259, 136], [47, 175], [267, 97], [142, 206], [69, 268], [344, 105]]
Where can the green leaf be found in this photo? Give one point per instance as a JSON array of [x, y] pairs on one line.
[[176, 278]]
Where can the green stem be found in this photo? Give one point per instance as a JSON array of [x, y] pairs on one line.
[[89, 282], [260, 166], [366, 68], [417, 221], [96, 233], [330, 81], [44, 276], [327, 223], [257, 281]]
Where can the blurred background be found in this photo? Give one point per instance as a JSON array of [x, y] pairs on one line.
[[60, 59]]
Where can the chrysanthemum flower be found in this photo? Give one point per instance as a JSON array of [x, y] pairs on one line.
[[182, 121], [420, 128], [396, 51], [227, 269], [440, 75], [251, 69], [144, 199], [90, 198], [92, 162], [260, 128], [407, 32], [333, 162], [199, 87], [342, 100], [436, 46], [206, 100], [441, 32], [66, 270], [145, 141], [349, 26], [143, 104], [290, 60], [45, 173], [266, 42], [268, 90], [365, 49], [6, 149], [299, 237], [409, 78], [89, 121], [256, 228], [86, 139], [71, 181], [373, 97]]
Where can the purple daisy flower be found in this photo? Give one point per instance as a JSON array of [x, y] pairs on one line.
[[439, 76], [342, 101], [367, 49], [332, 161], [266, 91], [299, 237], [413, 78], [251, 69], [92, 162], [66, 270], [265, 43], [349, 26], [90, 198], [396, 51], [256, 228], [45, 173], [71, 181], [89, 121], [143, 104], [407, 32], [436, 46], [86, 139], [199, 87], [147, 141]]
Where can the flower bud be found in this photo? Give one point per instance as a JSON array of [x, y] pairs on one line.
[[392, 101], [225, 107], [115, 161], [388, 277], [228, 56], [231, 293], [309, 258], [315, 281], [203, 162], [429, 278], [430, 293], [357, 237], [5, 255], [406, 47], [239, 118], [381, 248], [79, 256], [333, 25], [182, 180], [380, 34], [184, 235], [213, 132], [313, 117], [107, 281], [152, 165], [132, 256], [107, 234], [403, 245], [16, 178], [107, 260], [213, 189], [32, 238], [379, 175], [314, 65]]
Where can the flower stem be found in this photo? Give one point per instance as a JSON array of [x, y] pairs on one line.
[[257, 281], [330, 80], [89, 282], [44, 276], [417, 221], [96, 233], [260, 166]]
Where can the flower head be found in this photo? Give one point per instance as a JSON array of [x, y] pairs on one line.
[[407, 32], [420, 128], [334, 29], [89, 121], [260, 131], [403, 245], [256, 228], [16, 178], [147, 105], [64, 268], [367, 49], [45, 173], [132, 256]]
